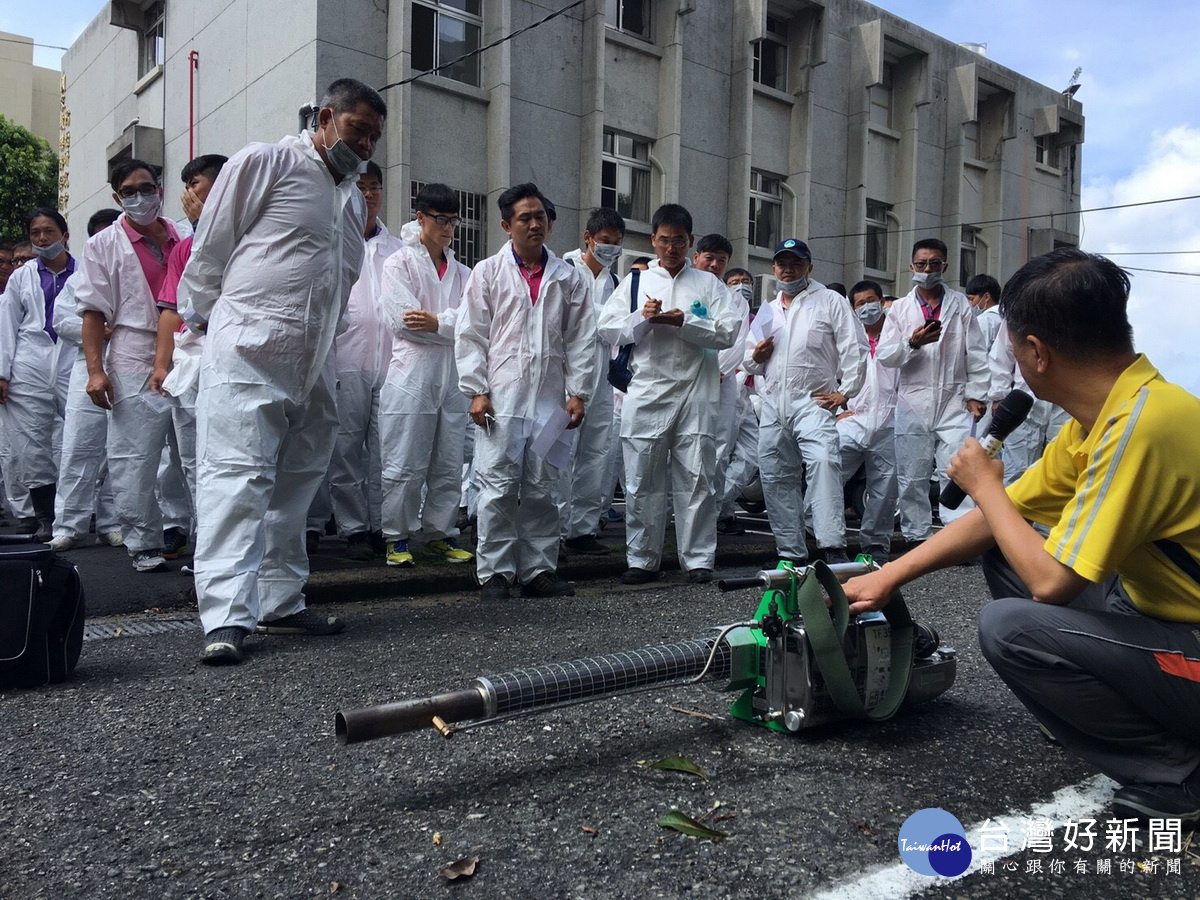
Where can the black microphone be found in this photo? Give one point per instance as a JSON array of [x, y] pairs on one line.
[[1009, 414]]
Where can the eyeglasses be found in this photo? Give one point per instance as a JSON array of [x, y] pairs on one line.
[[929, 265], [675, 243], [146, 190], [443, 221], [371, 189]]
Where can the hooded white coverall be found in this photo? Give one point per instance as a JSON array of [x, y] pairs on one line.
[[732, 407], [83, 483], [111, 282], [819, 347], [741, 465], [669, 415], [277, 250], [867, 437], [583, 488], [528, 357], [38, 370], [1024, 446], [423, 415], [361, 356], [936, 381]]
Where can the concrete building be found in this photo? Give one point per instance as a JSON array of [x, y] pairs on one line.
[[31, 96], [832, 121]]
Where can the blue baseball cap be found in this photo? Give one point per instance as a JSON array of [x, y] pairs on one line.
[[794, 246]]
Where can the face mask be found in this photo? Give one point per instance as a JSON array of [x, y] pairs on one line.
[[975, 311], [747, 292], [928, 280], [606, 254], [142, 209], [792, 288], [344, 160], [50, 252], [870, 313]]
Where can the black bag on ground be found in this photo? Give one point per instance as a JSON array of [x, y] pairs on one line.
[[41, 614], [619, 372]]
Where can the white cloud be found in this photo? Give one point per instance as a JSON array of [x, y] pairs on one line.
[[1163, 307]]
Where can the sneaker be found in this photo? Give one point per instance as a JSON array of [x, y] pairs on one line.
[[495, 588], [312, 542], [613, 516], [223, 646], [112, 538], [586, 544], [358, 547], [448, 549], [149, 561], [1160, 801], [635, 575], [64, 542], [304, 622], [398, 555], [547, 584], [836, 556], [700, 576], [175, 544], [730, 525]]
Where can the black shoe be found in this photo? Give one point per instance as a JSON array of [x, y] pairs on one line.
[[836, 556], [731, 525], [358, 548], [223, 646], [495, 588], [312, 542], [700, 576], [547, 584], [798, 562], [378, 544], [1160, 801], [638, 576], [586, 544], [27, 525]]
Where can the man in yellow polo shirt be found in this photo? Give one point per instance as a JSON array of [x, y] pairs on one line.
[[1095, 628]]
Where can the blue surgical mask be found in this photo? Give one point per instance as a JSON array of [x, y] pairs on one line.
[[344, 160], [792, 288], [50, 252], [746, 290], [870, 313], [927, 280], [606, 254], [141, 208]]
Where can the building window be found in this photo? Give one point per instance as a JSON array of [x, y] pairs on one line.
[[152, 44], [766, 210], [770, 55], [968, 262], [1045, 151], [470, 238], [875, 252], [442, 32], [971, 140], [881, 98], [625, 176], [630, 16]]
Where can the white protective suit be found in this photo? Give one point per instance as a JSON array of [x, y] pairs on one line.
[[528, 357], [112, 283], [819, 347], [361, 356], [732, 405], [742, 463], [669, 415], [867, 438], [1024, 446], [583, 488], [84, 487], [423, 414], [935, 383], [989, 323], [38, 370], [278, 248]]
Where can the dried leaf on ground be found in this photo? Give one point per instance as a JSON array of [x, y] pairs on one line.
[[696, 713], [437, 838], [463, 868], [588, 829], [680, 764], [685, 824]]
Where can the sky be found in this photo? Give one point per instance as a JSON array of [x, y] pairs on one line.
[[1140, 85]]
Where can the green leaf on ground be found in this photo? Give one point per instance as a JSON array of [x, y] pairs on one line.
[[687, 825], [680, 764]]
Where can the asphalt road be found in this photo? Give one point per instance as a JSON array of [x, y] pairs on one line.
[[150, 775]]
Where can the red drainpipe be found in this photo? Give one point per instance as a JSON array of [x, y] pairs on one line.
[[193, 65]]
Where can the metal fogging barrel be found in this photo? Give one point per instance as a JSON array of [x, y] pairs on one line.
[[538, 687]]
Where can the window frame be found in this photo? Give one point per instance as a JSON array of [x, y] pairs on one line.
[[615, 18], [760, 197], [969, 246], [875, 231], [439, 9], [778, 38], [610, 155], [152, 43]]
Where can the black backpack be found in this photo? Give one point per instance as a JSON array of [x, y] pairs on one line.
[[41, 614]]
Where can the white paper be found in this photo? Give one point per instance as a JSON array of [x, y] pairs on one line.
[[764, 325], [551, 439]]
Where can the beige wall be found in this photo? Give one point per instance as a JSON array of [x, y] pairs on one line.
[[30, 96]]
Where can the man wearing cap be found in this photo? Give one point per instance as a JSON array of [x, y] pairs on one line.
[[811, 355]]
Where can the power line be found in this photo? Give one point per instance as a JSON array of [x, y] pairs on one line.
[[495, 43], [1159, 271], [1151, 252], [33, 44]]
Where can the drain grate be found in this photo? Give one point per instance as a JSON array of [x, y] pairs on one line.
[[103, 631]]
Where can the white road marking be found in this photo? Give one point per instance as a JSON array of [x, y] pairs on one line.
[[1074, 802]]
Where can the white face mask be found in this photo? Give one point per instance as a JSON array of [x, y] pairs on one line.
[[927, 280], [870, 313], [142, 209], [746, 290], [606, 254], [50, 252]]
